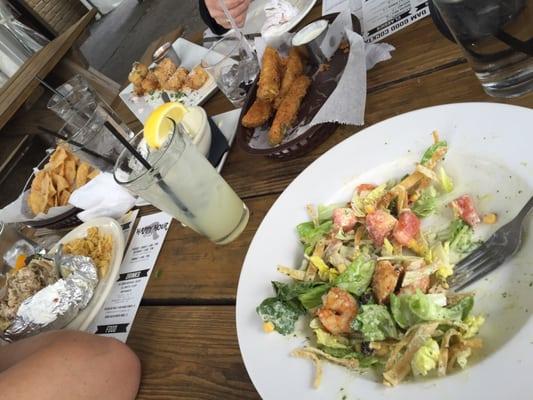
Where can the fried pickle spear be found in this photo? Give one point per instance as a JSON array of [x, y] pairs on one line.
[[270, 77], [288, 109], [294, 68], [258, 114]]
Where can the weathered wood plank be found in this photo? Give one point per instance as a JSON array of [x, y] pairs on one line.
[[15, 92], [190, 353]]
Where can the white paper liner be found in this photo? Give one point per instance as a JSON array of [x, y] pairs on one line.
[[346, 105]]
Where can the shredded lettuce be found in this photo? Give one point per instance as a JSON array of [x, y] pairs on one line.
[[375, 323], [312, 298], [325, 273], [357, 276], [325, 212], [440, 253], [363, 205], [408, 310], [427, 203], [462, 237], [309, 234], [473, 325], [283, 315], [431, 151], [444, 180], [426, 358], [460, 310], [387, 250], [302, 294], [326, 339]]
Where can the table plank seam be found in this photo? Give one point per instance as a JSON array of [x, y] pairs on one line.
[[187, 302], [389, 84]]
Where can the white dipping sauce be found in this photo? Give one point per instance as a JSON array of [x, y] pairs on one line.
[[309, 33]]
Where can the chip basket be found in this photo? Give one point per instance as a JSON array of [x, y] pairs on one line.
[[65, 220], [319, 91]]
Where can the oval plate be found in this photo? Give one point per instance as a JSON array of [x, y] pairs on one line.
[[111, 227], [489, 155]]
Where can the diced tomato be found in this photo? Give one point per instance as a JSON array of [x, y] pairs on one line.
[[365, 187], [344, 218], [464, 206], [407, 228], [379, 225]]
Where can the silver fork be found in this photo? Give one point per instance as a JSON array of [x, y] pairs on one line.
[[502, 245]]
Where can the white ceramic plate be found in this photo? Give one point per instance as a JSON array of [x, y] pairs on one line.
[[190, 55], [110, 227], [490, 156], [255, 18]]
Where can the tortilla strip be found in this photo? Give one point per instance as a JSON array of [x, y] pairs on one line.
[[316, 361], [401, 367]]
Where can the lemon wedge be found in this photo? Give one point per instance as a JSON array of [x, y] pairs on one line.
[[159, 125]]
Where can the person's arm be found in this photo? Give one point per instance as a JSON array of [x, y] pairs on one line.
[[214, 16], [210, 21]]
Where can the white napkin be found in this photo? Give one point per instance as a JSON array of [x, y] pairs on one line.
[[102, 197], [346, 105]]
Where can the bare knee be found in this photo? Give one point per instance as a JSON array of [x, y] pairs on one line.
[[108, 361]]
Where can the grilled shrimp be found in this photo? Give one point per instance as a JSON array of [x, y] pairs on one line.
[[338, 310]]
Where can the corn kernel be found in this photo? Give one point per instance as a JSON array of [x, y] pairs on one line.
[[268, 327], [490, 218]]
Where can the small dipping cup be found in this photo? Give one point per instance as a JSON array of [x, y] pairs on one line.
[[310, 38]]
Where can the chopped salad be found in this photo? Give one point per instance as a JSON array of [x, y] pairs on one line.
[[373, 284]]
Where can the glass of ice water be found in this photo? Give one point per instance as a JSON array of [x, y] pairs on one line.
[[183, 183], [497, 39], [233, 65]]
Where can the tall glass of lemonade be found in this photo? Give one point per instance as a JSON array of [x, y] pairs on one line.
[[181, 181]]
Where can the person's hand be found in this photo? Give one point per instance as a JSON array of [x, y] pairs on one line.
[[237, 9]]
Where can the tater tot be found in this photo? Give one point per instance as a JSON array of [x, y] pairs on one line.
[[150, 83], [197, 78], [164, 70], [177, 80]]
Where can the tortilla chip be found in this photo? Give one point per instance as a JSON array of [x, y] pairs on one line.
[[51, 188], [70, 171], [52, 202], [57, 158], [37, 183], [37, 202], [63, 198], [60, 183], [81, 174]]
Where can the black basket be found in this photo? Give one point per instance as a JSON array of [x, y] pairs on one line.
[[67, 219]]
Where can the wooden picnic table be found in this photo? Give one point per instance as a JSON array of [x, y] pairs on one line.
[[185, 330]]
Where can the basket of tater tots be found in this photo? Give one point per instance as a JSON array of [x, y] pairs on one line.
[[289, 90], [45, 198]]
